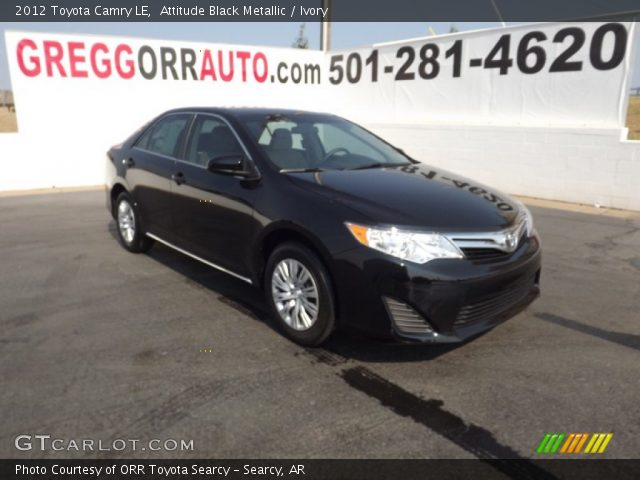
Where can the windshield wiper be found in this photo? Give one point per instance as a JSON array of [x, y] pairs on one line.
[[301, 170], [378, 165]]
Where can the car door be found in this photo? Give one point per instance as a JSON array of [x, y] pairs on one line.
[[213, 211], [150, 164]]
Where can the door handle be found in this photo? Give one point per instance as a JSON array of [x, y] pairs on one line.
[[128, 162], [178, 178]]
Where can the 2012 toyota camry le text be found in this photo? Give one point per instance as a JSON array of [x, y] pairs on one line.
[[337, 226]]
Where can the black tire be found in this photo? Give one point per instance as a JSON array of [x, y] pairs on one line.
[[138, 242], [325, 321]]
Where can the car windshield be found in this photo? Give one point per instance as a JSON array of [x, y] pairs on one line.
[[303, 142]]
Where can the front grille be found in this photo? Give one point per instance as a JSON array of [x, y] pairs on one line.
[[406, 319], [493, 304], [489, 247], [485, 254]]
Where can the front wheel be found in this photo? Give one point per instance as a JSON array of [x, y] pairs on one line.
[[298, 290], [130, 232]]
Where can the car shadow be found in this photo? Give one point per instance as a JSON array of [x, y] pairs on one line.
[[343, 345], [349, 345]]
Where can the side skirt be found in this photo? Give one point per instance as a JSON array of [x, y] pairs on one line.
[[195, 257]]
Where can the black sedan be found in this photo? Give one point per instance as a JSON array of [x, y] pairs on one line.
[[337, 226]]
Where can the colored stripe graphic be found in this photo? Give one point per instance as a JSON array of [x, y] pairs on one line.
[[573, 443], [550, 443], [596, 445], [581, 443], [605, 443], [543, 443], [567, 443], [591, 442], [555, 448], [598, 442]]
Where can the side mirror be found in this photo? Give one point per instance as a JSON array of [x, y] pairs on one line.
[[227, 164]]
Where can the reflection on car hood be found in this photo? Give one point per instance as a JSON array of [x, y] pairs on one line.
[[414, 195]]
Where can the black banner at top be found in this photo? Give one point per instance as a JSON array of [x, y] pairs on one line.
[[314, 10]]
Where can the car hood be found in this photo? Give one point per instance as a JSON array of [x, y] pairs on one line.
[[414, 195]]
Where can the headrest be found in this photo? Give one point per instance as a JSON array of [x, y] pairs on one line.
[[281, 139]]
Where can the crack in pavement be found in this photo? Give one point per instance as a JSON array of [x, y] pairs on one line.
[[625, 339], [430, 413], [612, 240]]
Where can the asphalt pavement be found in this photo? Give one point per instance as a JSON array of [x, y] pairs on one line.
[[97, 343]]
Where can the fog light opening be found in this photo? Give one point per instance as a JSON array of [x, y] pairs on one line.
[[406, 320]]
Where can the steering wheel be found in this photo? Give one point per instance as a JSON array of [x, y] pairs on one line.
[[334, 152]]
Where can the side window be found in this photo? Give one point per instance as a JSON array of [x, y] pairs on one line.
[[211, 138], [332, 138], [143, 141], [144, 138], [165, 136]]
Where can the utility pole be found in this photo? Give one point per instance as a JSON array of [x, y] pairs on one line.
[[325, 31], [301, 41]]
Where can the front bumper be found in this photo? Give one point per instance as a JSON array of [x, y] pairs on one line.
[[456, 299]]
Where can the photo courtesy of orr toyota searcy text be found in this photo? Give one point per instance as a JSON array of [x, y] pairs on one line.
[[160, 470]]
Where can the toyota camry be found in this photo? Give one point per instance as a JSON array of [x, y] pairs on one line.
[[337, 226]]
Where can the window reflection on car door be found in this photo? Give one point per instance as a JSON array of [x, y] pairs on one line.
[[150, 164], [213, 211]]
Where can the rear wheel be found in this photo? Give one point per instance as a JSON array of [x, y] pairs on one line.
[[130, 231], [299, 292]]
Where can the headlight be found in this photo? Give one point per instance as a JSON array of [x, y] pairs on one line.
[[525, 216], [412, 246]]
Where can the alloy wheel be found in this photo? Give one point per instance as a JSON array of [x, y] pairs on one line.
[[295, 294], [126, 221]]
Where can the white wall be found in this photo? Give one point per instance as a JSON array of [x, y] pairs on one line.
[[570, 164], [66, 125], [502, 130]]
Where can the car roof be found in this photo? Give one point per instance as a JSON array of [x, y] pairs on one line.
[[240, 112]]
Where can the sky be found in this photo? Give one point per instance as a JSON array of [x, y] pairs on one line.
[[344, 35]]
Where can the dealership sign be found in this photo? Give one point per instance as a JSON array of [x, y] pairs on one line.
[[539, 75], [87, 92], [527, 75], [82, 59]]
